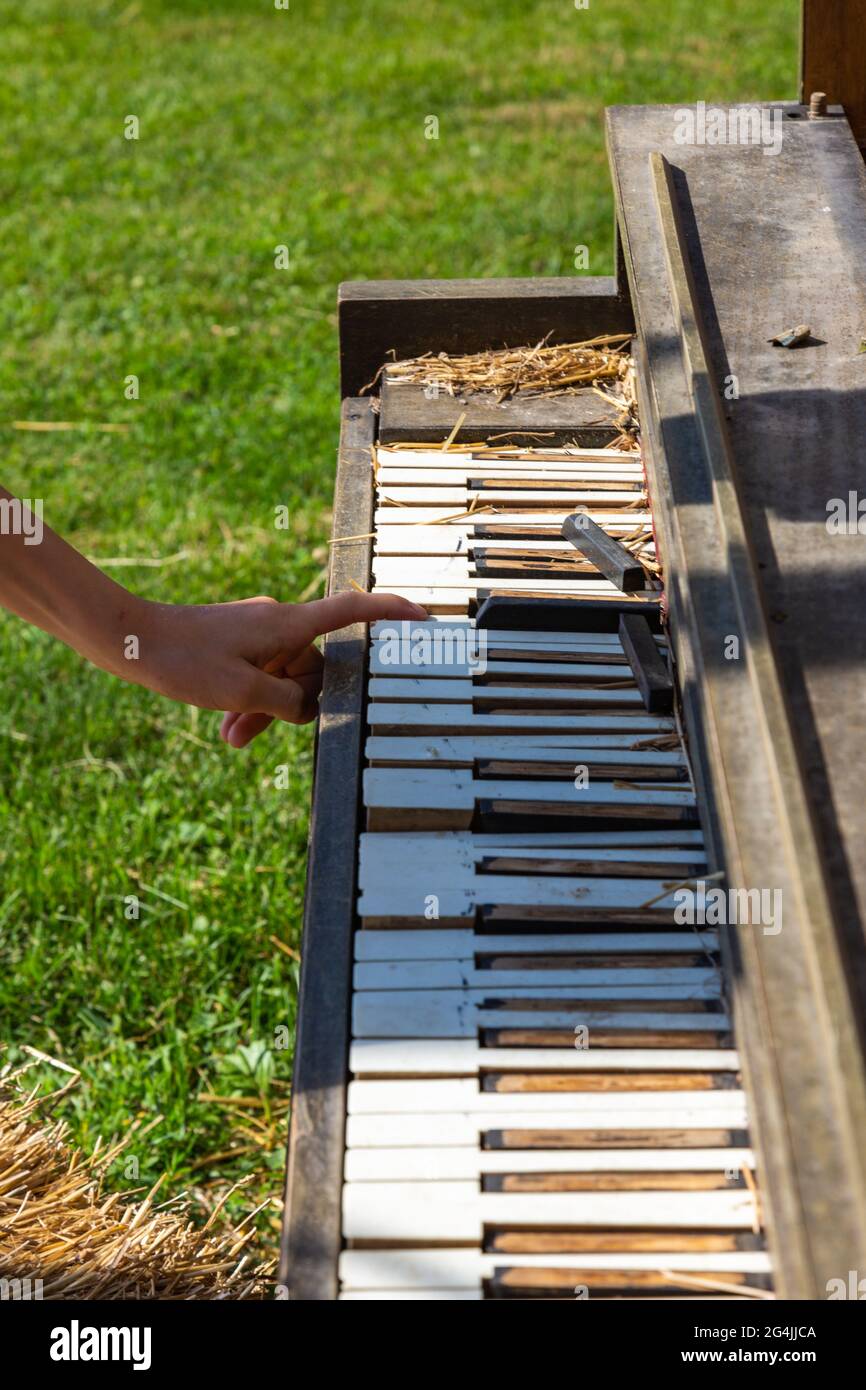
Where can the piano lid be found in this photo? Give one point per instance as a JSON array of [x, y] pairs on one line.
[[756, 464]]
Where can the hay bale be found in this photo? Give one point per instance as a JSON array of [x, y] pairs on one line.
[[59, 1226]]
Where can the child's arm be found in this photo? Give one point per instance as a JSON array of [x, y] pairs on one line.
[[254, 658]]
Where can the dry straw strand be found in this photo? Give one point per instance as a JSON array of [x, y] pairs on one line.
[[58, 1225]]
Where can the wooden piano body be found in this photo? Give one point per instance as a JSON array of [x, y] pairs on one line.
[[745, 445]]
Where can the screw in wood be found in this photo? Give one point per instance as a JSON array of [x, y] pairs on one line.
[[817, 105]]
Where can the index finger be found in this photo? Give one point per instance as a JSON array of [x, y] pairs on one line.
[[341, 610]]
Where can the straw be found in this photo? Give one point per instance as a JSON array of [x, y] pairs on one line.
[[542, 370], [59, 1225]]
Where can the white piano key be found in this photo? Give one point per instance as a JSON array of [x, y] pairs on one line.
[[430, 569], [450, 600], [450, 854], [479, 844], [390, 475], [684, 863], [420, 717], [396, 872], [443, 788], [460, 539], [451, 1013], [456, 853], [463, 1096], [446, 798], [459, 570], [460, 630], [570, 495], [428, 689], [398, 897], [690, 862], [432, 945], [445, 516], [688, 859], [466, 1057], [477, 1296], [484, 844], [386, 454], [463, 624], [541, 748], [597, 752], [437, 1130], [503, 637], [413, 1295], [452, 587], [412, 790], [464, 974], [467, 1268], [458, 1211], [510, 466], [546, 452], [382, 663], [471, 1165], [433, 786], [451, 640], [453, 899], [463, 718], [502, 515], [576, 641]]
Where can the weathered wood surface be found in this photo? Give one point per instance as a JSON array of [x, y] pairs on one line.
[[652, 675], [407, 413], [608, 554], [794, 421], [388, 319], [833, 57], [311, 1232]]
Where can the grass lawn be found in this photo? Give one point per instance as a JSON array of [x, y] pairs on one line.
[[155, 258]]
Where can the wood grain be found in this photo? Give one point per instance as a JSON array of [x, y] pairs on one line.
[[652, 675], [606, 553], [311, 1232], [394, 319], [833, 57]]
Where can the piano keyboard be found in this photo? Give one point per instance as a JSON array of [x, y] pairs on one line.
[[545, 1097], [449, 527]]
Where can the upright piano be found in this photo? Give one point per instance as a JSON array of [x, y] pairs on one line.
[[519, 1072]]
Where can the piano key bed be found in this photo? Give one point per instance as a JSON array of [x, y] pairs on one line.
[[545, 1097]]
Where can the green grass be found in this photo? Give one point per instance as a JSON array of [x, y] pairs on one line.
[[155, 257]]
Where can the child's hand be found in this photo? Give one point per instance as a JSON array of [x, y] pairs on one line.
[[254, 658]]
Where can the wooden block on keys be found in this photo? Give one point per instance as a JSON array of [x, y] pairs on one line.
[[650, 672], [608, 555]]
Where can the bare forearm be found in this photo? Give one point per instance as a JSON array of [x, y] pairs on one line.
[[254, 658], [48, 583]]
